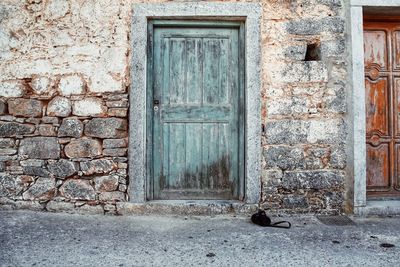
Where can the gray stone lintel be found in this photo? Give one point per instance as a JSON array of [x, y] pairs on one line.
[[251, 14]]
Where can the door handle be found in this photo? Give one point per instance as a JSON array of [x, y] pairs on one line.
[[156, 102]]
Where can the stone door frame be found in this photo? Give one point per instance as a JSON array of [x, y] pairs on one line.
[[250, 13], [357, 155]]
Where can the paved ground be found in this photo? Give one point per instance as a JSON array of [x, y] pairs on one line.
[[47, 239]]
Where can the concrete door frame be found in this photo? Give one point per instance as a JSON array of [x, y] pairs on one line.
[[251, 14], [357, 105]]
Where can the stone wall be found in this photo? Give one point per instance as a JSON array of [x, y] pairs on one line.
[[64, 85]]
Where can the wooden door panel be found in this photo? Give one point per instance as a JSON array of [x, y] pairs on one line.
[[396, 182], [375, 49], [382, 88], [377, 106], [396, 106], [396, 50], [378, 167], [196, 124]]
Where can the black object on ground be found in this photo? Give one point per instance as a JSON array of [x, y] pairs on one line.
[[262, 219]]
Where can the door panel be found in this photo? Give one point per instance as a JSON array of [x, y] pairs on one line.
[[382, 84], [375, 49], [196, 121], [378, 167], [377, 108], [396, 47]]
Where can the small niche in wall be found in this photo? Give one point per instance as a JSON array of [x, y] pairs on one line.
[[313, 52]]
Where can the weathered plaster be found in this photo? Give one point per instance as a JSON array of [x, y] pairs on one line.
[[137, 153]]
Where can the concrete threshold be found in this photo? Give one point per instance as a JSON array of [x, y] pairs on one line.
[[186, 207], [379, 208]]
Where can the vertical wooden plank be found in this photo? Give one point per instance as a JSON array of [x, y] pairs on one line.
[[223, 88], [193, 46], [210, 154], [193, 156], [176, 155], [237, 120], [165, 63], [164, 179], [212, 51], [177, 90], [224, 156]]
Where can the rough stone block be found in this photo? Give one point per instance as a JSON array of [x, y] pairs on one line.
[[338, 158], [316, 26], [295, 52], [284, 157], [12, 89], [83, 148], [3, 107], [59, 107], [333, 48], [71, 85], [62, 168], [71, 127], [10, 129], [89, 107], [36, 171], [6, 142], [123, 103], [115, 152], [7, 151], [327, 131], [47, 130], [42, 189], [288, 106], [337, 103], [118, 112], [286, 132], [40, 148], [41, 85], [106, 183], [7, 185], [294, 202], [51, 120], [317, 180], [112, 196], [114, 143], [59, 206], [106, 128], [32, 163], [301, 72], [77, 189], [97, 166], [25, 107]]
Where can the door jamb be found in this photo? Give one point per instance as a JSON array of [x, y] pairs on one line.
[[357, 155], [138, 135], [150, 90]]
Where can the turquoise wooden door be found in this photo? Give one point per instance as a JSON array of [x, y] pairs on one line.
[[197, 111]]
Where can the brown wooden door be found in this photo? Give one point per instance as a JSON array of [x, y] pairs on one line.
[[382, 90]]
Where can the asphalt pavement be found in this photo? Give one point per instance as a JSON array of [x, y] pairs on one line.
[[30, 238]]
